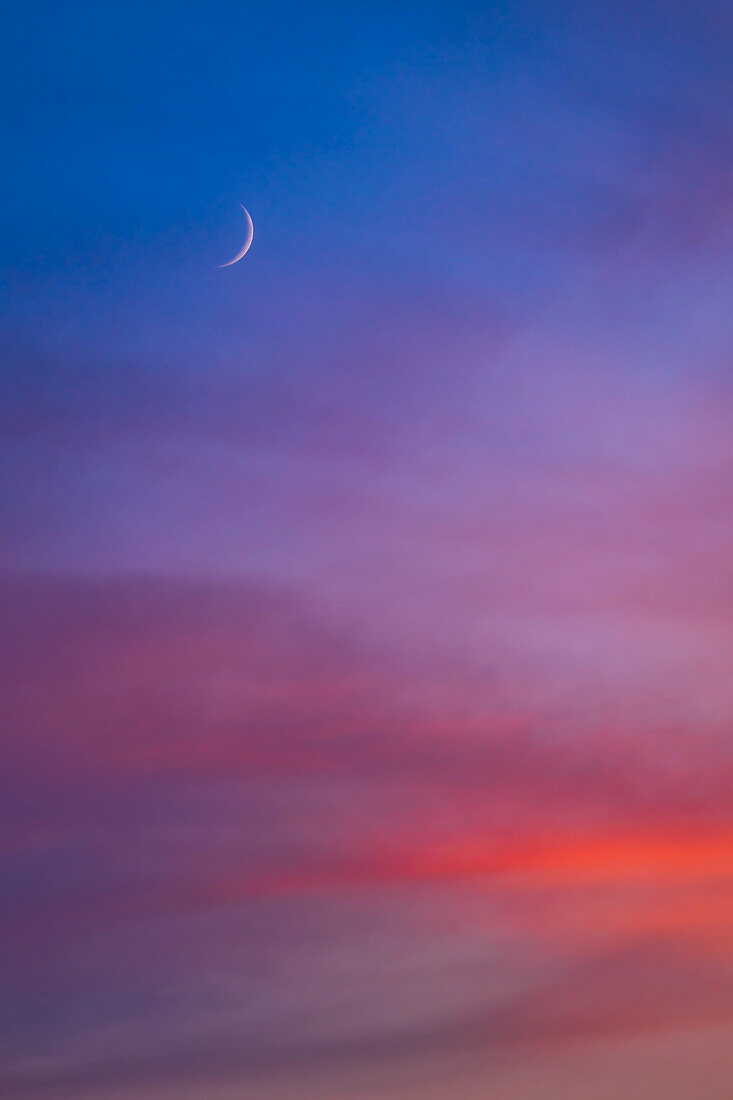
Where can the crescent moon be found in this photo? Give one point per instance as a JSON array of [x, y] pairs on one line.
[[247, 239]]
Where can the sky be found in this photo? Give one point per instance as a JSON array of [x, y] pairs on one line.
[[366, 607]]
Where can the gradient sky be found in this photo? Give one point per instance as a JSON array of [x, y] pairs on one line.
[[366, 608]]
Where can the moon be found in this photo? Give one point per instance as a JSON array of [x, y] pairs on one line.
[[247, 239]]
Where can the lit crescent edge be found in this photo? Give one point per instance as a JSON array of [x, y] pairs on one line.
[[247, 240]]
